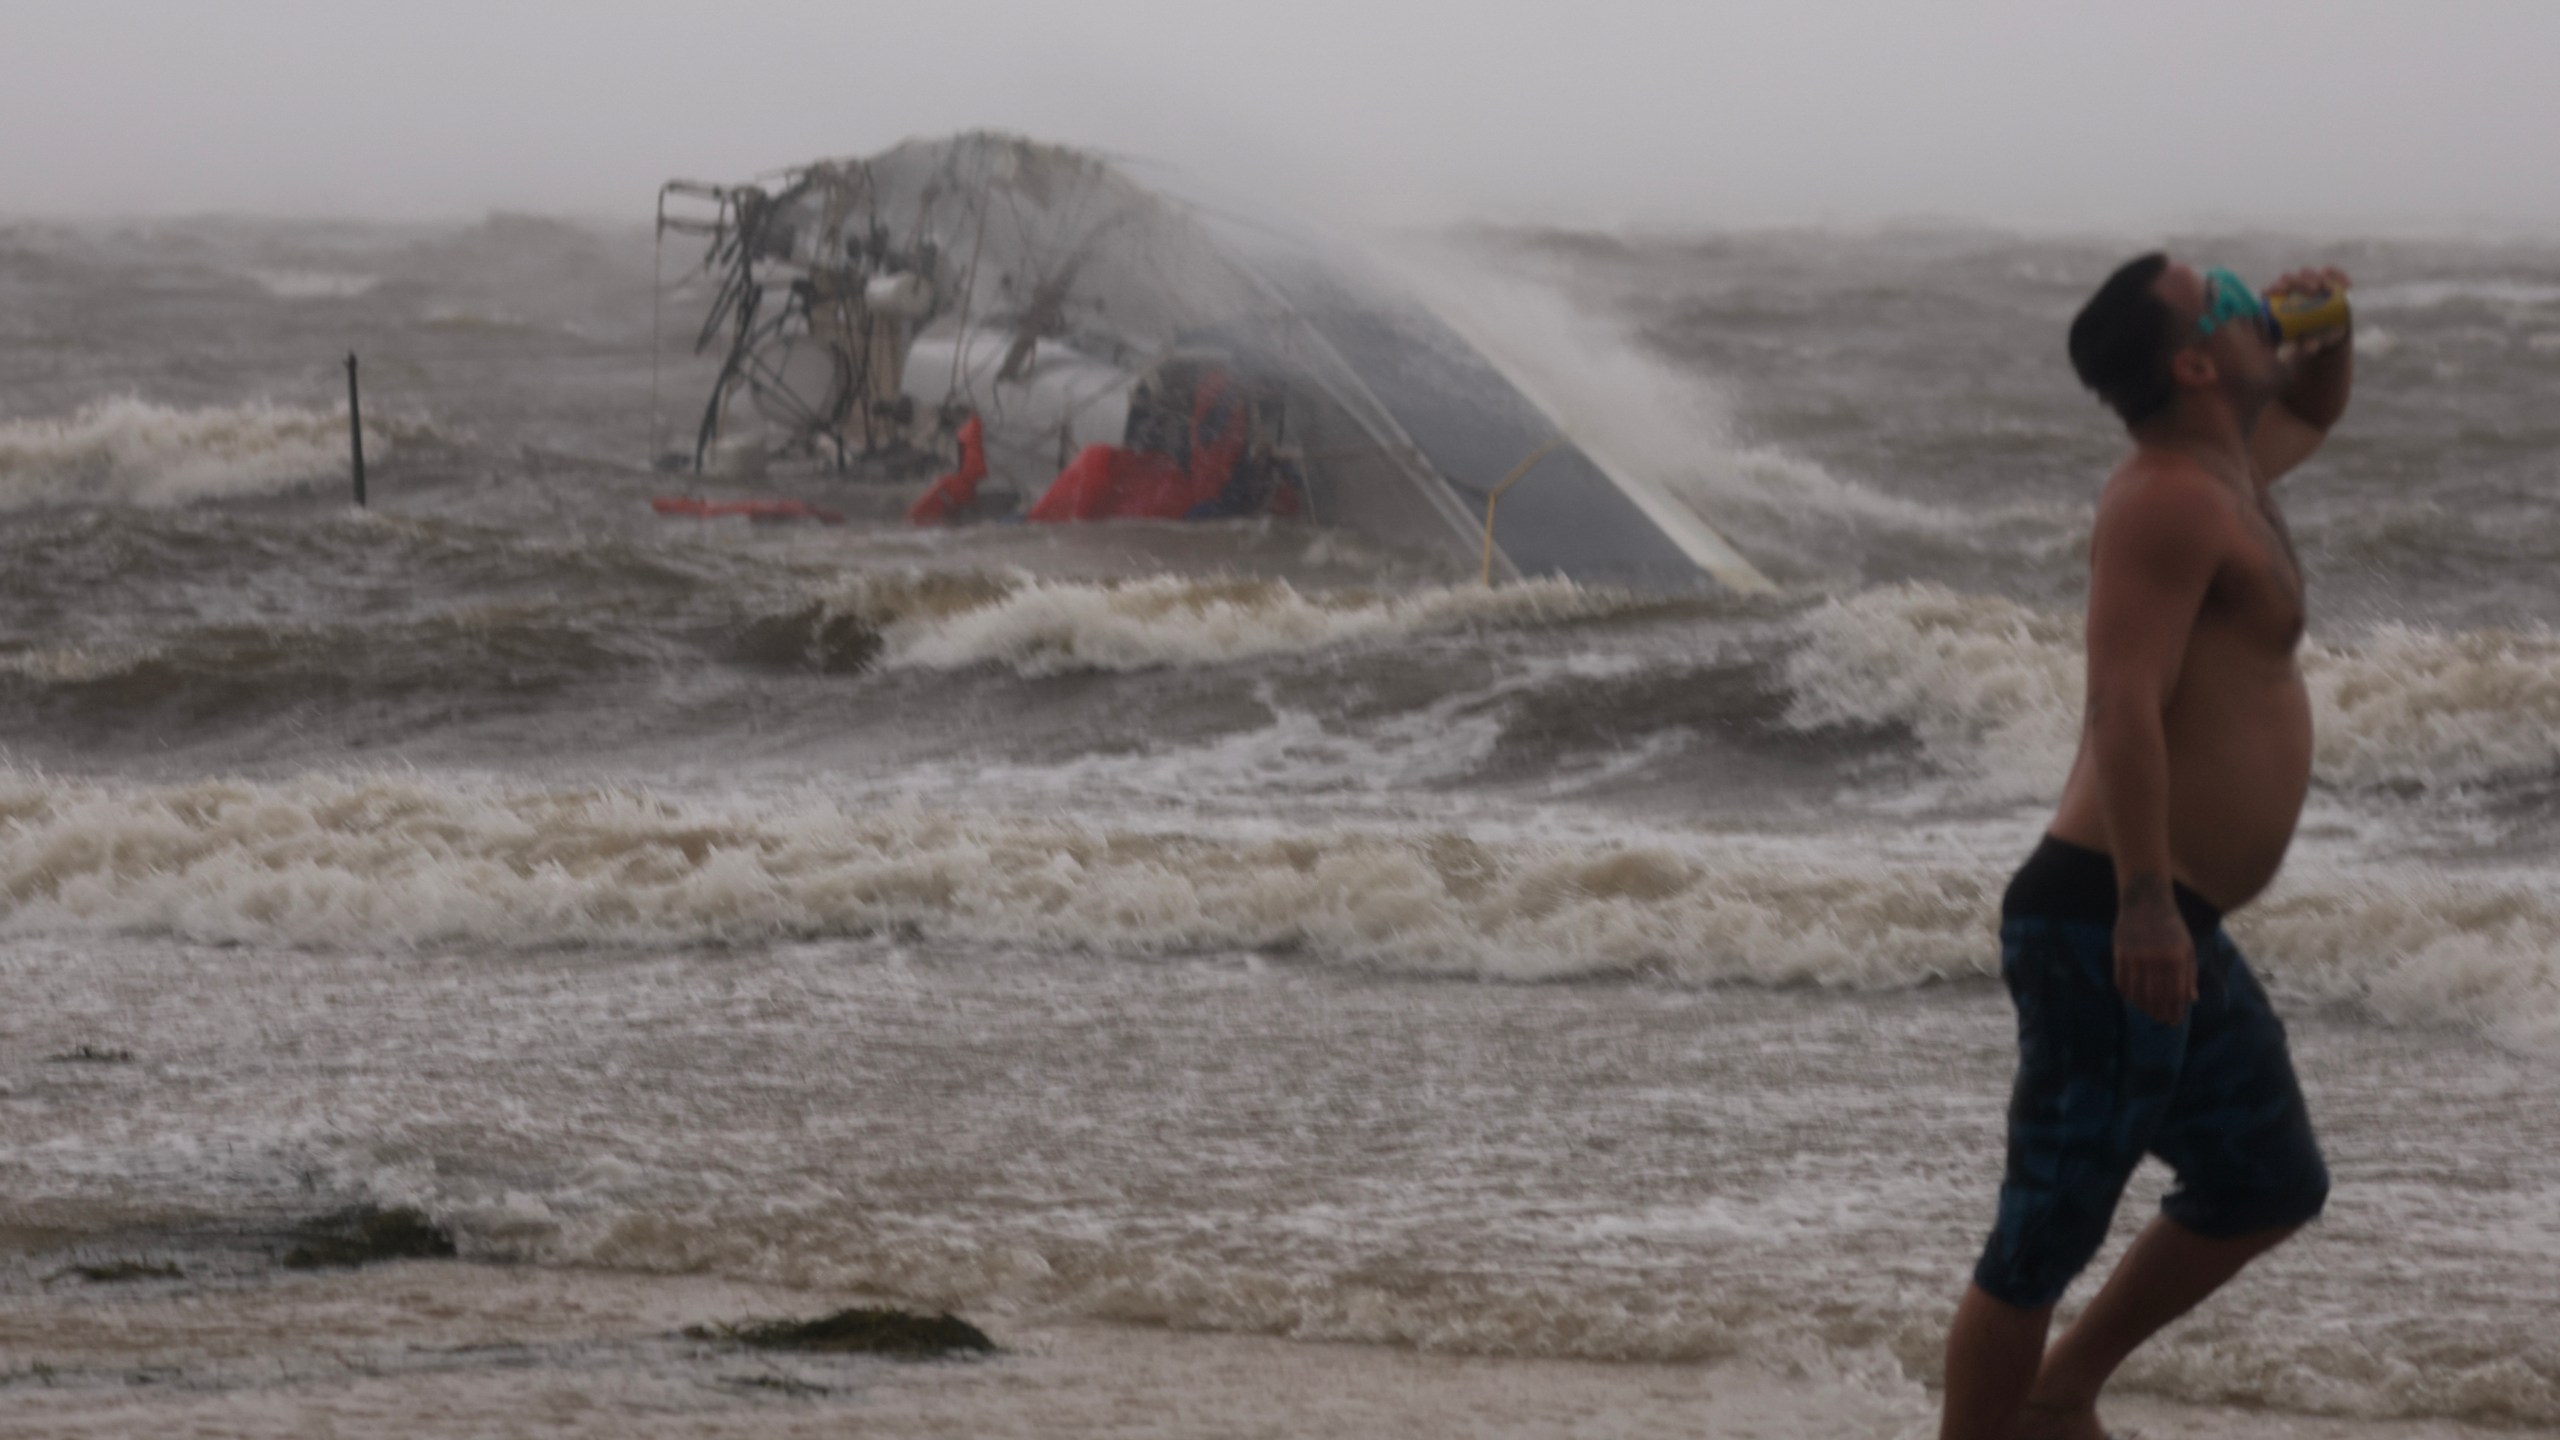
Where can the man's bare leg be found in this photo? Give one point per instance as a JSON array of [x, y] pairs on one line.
[[2167, 1272], [1993, 1350]]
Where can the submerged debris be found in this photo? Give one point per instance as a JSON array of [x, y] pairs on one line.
[[365, 1235], [114, 1272], [858, 1331]]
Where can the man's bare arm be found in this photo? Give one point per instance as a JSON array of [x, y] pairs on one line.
[[2301, 417], [2153, 557]]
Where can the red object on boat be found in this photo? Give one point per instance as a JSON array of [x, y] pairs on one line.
[[1107, 482], [959, 489], [700, 509]]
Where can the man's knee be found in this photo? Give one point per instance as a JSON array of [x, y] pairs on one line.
[[2040, 1245], [2269, 1215], [2309, 1197]]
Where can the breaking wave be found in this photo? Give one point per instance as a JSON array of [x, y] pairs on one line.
[[132, 450], [1991, 688], [1047, 627], [420, 862], [417, 862], [2410, 705]]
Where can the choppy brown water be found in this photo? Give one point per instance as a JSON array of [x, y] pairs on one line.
[[1231, 929]]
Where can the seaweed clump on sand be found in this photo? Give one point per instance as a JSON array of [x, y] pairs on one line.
[[365, 1235], [859, 1331]]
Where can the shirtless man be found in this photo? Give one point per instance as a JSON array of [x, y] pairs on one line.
[[2141, 1029]]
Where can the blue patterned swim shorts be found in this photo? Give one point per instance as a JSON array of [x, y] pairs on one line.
[[2101, 1084]]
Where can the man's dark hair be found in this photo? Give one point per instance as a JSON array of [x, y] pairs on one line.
[[2122, 339]]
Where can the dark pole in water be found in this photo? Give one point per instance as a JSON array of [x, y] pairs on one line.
[[355, 427]]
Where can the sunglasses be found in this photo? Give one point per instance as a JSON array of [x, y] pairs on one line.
[[2227, 297]]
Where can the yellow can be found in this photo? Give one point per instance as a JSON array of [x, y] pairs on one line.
[[2305, 315]]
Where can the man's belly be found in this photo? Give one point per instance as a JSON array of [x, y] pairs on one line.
[[2237, 778], [2239, 766]]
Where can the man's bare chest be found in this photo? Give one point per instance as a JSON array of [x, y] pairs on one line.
[[2259, 591]]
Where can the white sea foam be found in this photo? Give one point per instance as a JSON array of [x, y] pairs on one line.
[[1992, 689], [1041, 627], [313, 284], [421, 862], [133, 450]]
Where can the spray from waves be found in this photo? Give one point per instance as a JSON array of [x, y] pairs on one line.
[[1637, 415], [1042, 627], [1991, 689], [422, 862], [132, 450]]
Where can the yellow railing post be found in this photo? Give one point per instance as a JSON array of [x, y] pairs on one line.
[[1527, 463]]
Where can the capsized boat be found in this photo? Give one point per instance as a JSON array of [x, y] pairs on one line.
[[1107, 349]]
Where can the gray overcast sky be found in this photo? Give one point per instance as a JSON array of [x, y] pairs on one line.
[[2431, 116]]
